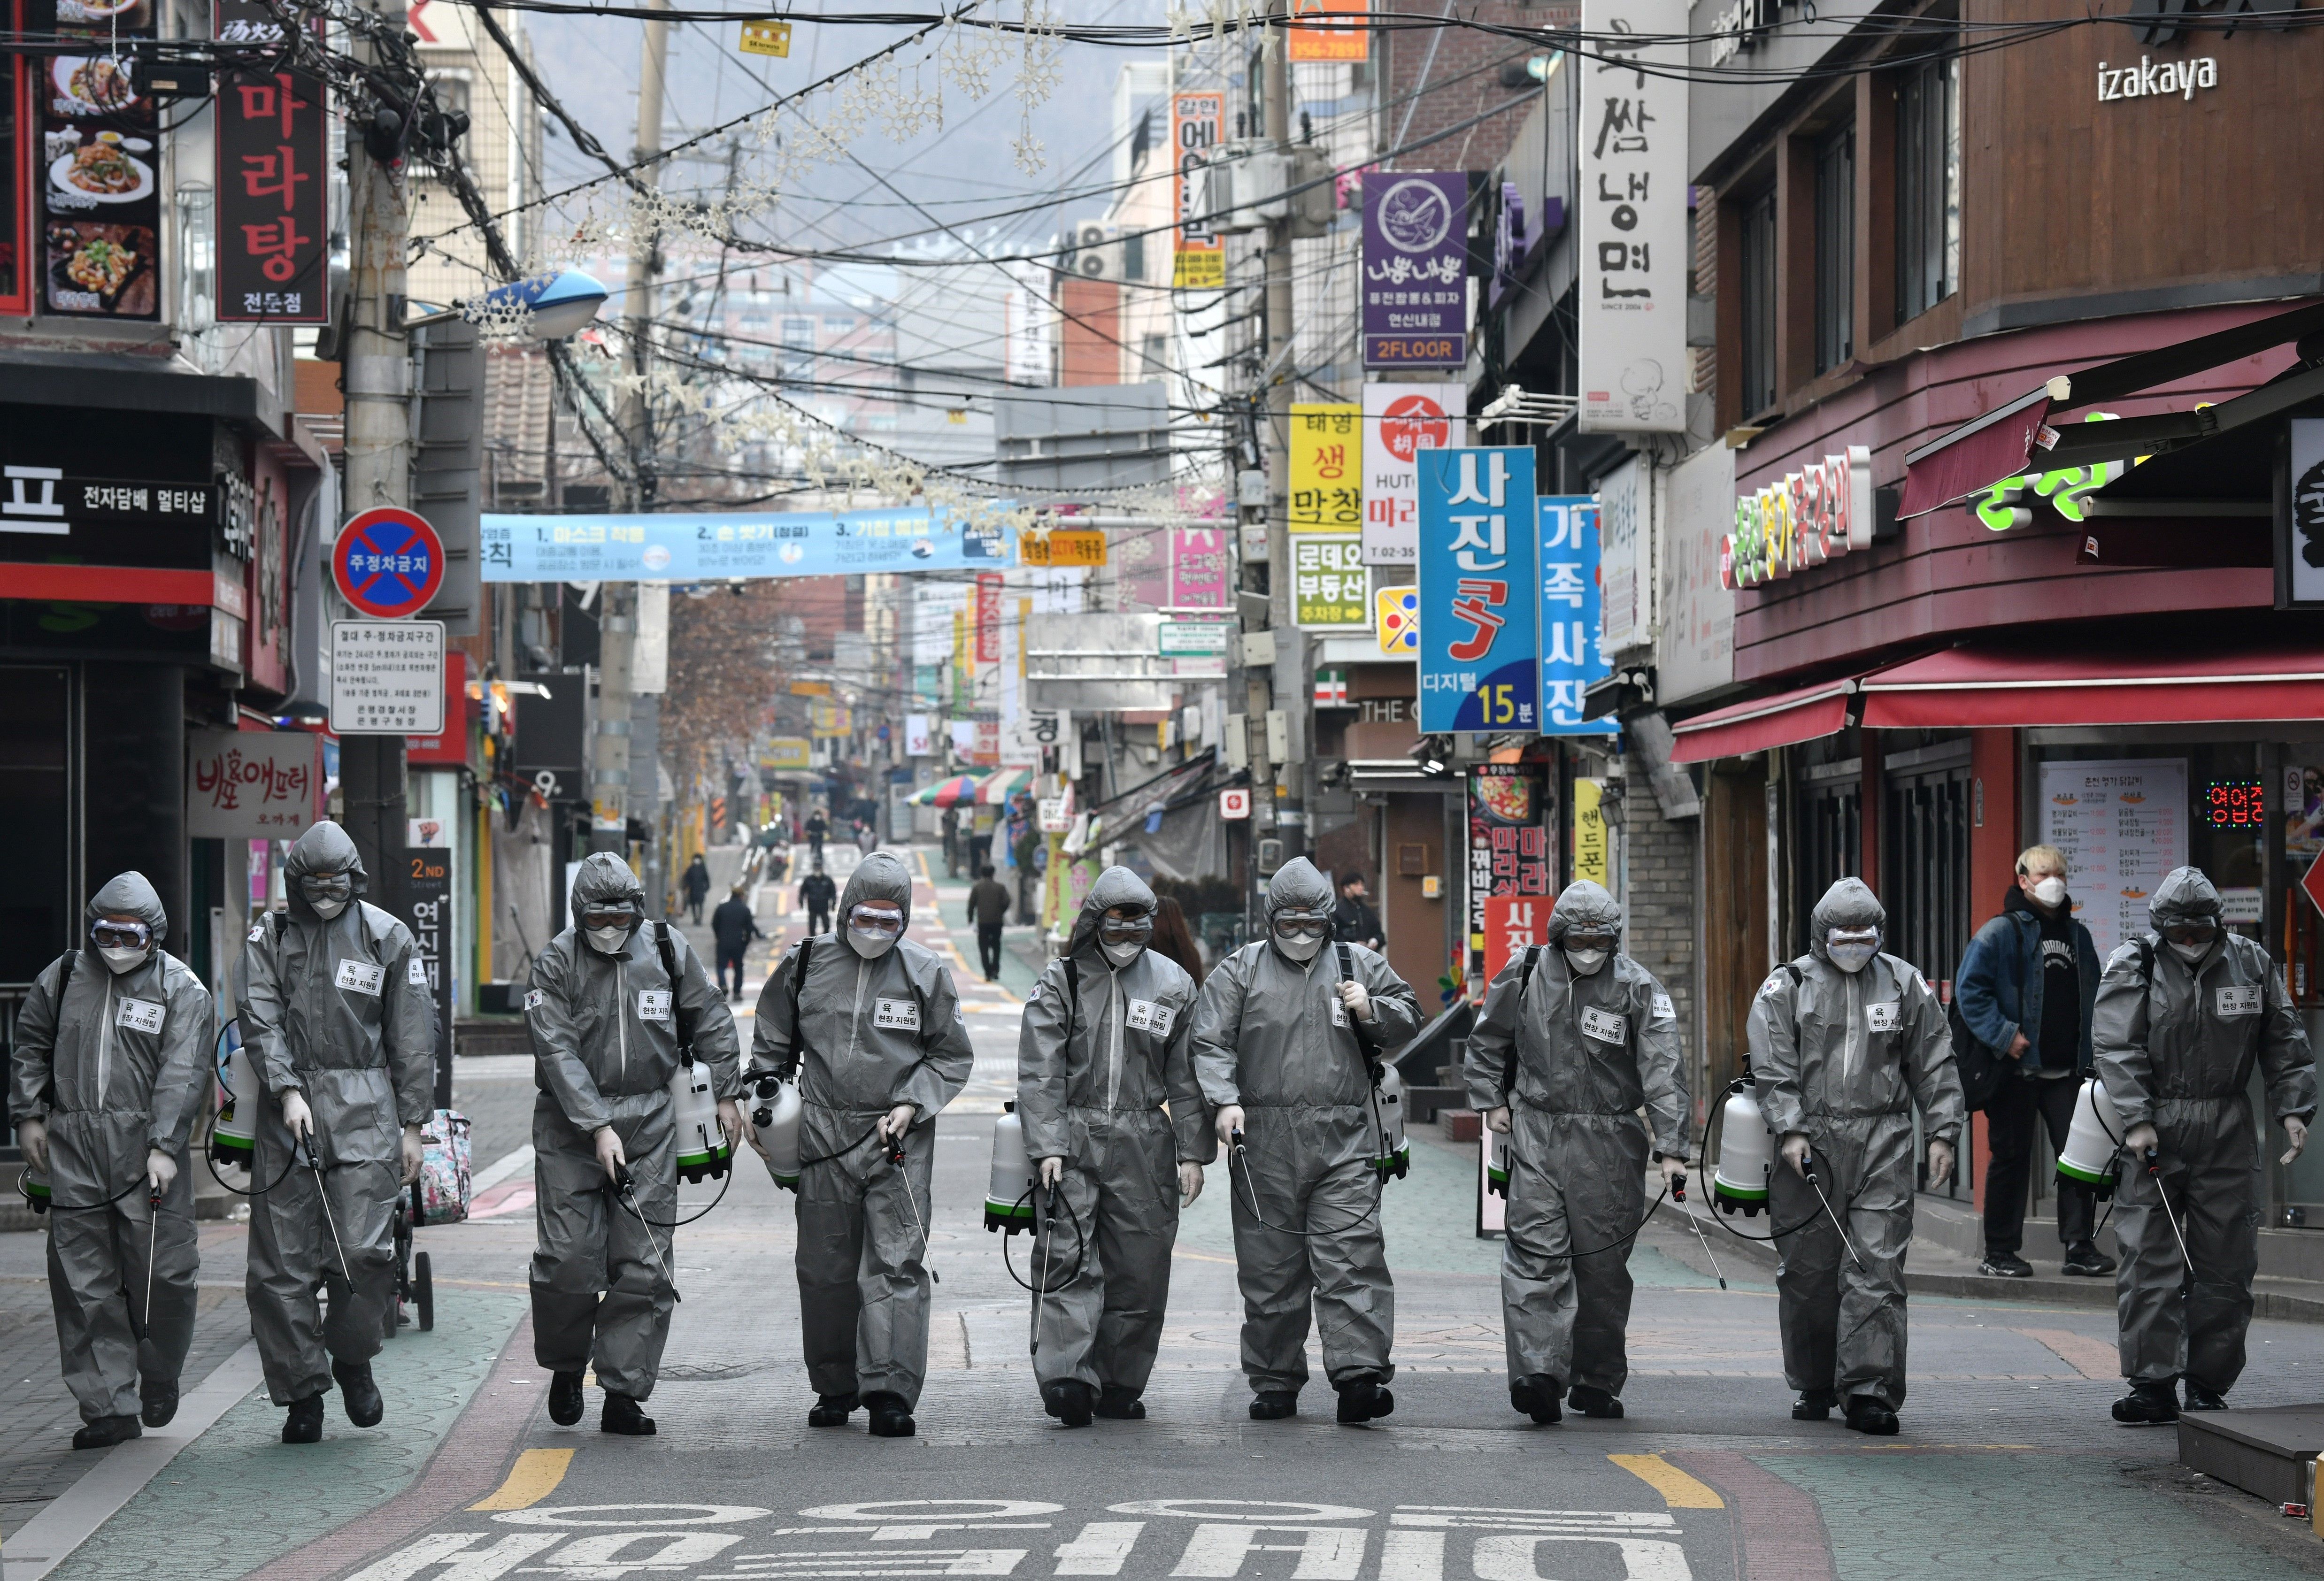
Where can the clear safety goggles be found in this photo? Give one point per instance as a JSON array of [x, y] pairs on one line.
[[2199, 930], [1293, 925], [328, 887], [1135, 928], [106, 935], [885, 924], [608, 916], [1576, 940], [1862, 938]]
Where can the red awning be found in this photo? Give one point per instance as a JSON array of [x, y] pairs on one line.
[[1782, 721], [1977, 454], [1973, 688], [111, 584]]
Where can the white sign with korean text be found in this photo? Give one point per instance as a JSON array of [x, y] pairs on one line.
[[252, 784], [1626, 554], [1631, 297], [1401, 420], [1694, 645], [2122, 824], [387, 677]]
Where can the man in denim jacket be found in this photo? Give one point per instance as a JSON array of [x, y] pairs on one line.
[[2025, 989]]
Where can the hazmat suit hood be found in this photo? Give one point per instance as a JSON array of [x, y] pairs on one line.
[[1114, 887], [2184, 895], [1583, 905], [878, 877], [1849, 903], [129, 894], [605, 879], [1297, 885], [324, 850]]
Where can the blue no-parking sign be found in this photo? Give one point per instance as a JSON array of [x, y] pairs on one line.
[[388, 563]]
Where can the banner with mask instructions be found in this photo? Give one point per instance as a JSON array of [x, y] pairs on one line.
[[1510, 854]]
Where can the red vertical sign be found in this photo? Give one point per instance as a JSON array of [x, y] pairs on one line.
[[1512, 922], [988, 617], [273, 215]]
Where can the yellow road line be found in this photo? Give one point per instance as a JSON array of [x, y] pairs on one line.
[[533, 1478], [1679, 1491]]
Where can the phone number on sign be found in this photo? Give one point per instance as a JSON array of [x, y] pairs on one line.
[[1441, 351]]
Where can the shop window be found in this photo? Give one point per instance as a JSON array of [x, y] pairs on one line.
[[1928, 187], [1756, 304], [1835, 248], [16, 254], [1830, 810]]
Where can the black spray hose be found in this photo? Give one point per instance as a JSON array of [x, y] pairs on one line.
[[627, 1200], [1080, 1240], [1627, 1236], [25, 1189], [1251, 1197], [289, 1164]]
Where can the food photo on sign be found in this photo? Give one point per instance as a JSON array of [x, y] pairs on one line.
[[99, 170]]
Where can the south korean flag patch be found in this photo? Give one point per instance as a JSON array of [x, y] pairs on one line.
[[534, 998]]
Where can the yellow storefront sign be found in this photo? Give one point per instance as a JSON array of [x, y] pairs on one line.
[[1327, 493]]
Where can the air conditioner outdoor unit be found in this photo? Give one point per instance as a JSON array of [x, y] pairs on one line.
[[1097, 253]]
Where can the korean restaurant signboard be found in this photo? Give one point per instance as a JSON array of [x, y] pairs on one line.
[[1630, 302], [1415, 284], [98, 166], [273, 191]]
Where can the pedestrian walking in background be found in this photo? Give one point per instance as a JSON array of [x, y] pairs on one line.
[[1173, 938], [733, 926], [112, 1046], [1353, 920], [2025, 989], [816, 894], [695, 883], [987, 909]]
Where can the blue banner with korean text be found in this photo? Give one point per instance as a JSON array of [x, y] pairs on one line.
[[707, 545], [1572, 631], [1480, 665]]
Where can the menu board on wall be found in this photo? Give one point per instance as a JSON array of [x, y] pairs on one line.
[[2122, 824], [99, 169], [1509, 851]]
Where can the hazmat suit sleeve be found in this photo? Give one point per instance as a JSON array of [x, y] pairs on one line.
[[556, 1040], [32, 1064], [1489, 1067], [947, 1057], [1190, 1117], [717, 1042], [1218, 1024], [188, 1031], [772, 1036], [1774, 1035], [2118, 1035], [1660, 1068], [2284, 1056], [1043, 1046], [1929, 1063], [1396, 1008], [408, 1024], [258, 990]]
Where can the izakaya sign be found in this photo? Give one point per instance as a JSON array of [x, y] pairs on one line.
[[1819, 514]]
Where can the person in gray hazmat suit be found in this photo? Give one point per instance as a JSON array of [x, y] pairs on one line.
[[1844, 1041], [1287, 1039], [340, 1025], [606, 1013], [2183, 1015], [873, 1029], [1576, 1038], [1105, 1045], [111, 1047]]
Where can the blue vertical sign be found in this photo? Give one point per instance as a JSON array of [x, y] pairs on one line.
[[1480, 665], [1572, 628]]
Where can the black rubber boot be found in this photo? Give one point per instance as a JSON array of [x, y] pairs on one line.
[[1816, 1404], [1591, 1402], [2147, 1405], [565, 1398], [160, 1396], [1116, 1403], [358, 1393], [624, 1416], [890, 1417], [304, 1424], [1867, 1413], [1364, 1399], [1068, 1400], [106, 1431], [1274, 1405], [830, 1411], [2202, 1396], [1537, 1397]]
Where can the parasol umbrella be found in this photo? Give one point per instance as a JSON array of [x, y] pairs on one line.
[[957, 791]]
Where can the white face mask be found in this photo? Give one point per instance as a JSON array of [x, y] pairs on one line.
[[2191, 953], [608, 941], [870, 943], [120, 960], [1850, 954], [1123, 954], [328, 909], [2051, 891], [1586, 961], [1302, 950]]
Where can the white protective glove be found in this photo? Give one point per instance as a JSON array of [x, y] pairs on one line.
[[2141, 1140], [161, 1169], [33, 1136], [1940, 1164], [610, 1155], [415, 1153], [1795, 1151], [296, 1114], [1497, 1121], [1229, 1122], [1052, 1171], [2296, 1131], [896, 1122], [1359, 1003], [1190, 1183]]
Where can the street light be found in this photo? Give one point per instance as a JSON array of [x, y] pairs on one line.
[[550, 307]]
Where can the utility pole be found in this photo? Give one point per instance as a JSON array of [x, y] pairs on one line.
[[609, 790], [376, 375], [1292, 695]]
